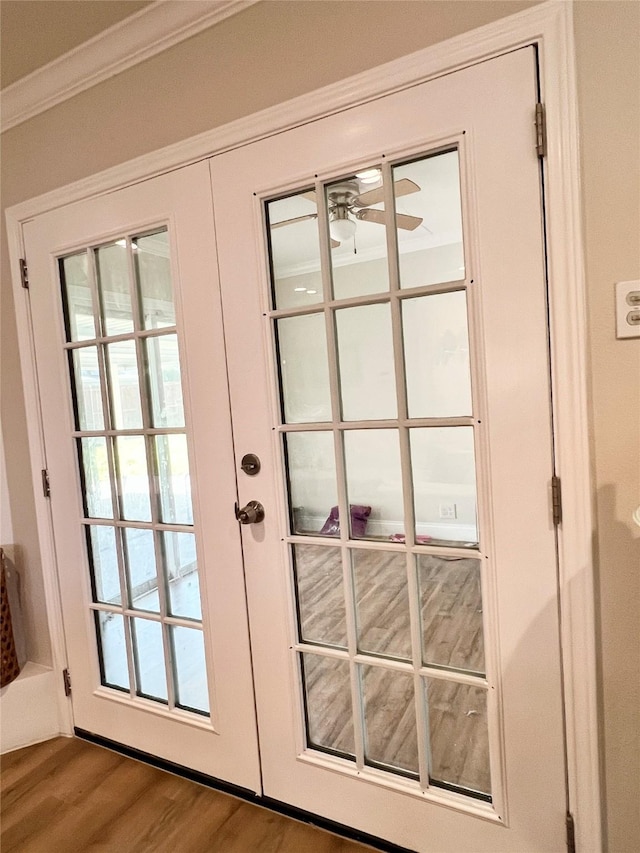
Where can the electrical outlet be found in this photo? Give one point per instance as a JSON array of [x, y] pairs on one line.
[[448, 511]]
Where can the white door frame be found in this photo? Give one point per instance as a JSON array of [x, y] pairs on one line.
[[550, 27]]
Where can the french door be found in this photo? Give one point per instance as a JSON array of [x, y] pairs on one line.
[[131, 369], [365, 314], [382, 275]]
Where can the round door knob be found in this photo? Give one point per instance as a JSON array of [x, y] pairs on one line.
[[252, 513]]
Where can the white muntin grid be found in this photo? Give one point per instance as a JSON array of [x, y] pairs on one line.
[[139, 336], [401, 424]]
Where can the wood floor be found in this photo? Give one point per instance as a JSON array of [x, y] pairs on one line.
[[69, 796]]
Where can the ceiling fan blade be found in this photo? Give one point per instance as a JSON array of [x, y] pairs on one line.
[[291, 221], [408, 223], [334, 243], [401, 187], [310, 196]]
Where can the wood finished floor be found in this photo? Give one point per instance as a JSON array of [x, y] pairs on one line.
[[69, 796]]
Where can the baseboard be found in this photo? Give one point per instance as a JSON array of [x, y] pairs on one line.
[[29, 708]]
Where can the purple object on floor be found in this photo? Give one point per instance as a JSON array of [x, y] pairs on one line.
[[359, 516]]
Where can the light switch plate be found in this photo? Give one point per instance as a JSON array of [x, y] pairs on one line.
[[628, 309]]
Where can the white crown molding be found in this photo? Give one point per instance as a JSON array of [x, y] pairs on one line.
[[153, 29]]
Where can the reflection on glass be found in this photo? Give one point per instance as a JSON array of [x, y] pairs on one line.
[[459, 735], [190, 669], [320, 595], [312, 482], [134, 480], [304, 368], [436, 354], [163, 362], [173, 479], [149, 656], [76, 298], [374, 479], [140, 561], [123, 385], [295, 250], [451, 604], [355, 207], [431, 252], [365, 352], [328, 707], [88, 398], [153, 274], [104, 564], [112, 267], [181, 572], [114, 671], [443, 464], [382, 603], [97, 484], [390, 719]]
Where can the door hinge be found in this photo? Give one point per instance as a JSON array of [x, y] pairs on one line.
[[556, 500], [46, 487], [571, 834], [24, 274], [66, 679], [541, 131]]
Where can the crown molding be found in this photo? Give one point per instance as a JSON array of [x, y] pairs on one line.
[[153, 29]]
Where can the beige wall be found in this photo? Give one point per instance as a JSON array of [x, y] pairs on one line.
[[251, 61]]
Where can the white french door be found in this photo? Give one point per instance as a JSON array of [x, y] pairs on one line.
[[366, 313], [383, 285], [131, 368]]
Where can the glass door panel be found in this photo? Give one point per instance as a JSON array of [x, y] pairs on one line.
[[382, 371], [126, 386]]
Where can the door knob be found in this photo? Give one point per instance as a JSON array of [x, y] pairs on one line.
[[252, 513]]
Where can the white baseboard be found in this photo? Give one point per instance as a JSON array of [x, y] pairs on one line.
[[29, 708], [377, 527]]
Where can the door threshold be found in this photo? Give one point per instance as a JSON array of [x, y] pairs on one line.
[[241, 793]]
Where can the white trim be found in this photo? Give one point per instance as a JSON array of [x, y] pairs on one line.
[[29, 708], [550, 26], [142, 35]]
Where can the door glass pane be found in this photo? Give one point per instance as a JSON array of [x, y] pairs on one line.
[[327, 689], [451, 604], [163, 365], [149, 656], [294, 250], [134, 480], [430, 252], [88, 398], [320, 595], [304, 368], [355, 208], [142, 577], [124, 386], [444, 484], [76, 298], [436, 353], [374, 481], [173, 475], [365, 351], [313, 491], [391, 738], [190, 665], [382, 603], [104, 564], [153, 274], [114, 669], [112, 268], [459, 735], [97, 483], [181, 572]]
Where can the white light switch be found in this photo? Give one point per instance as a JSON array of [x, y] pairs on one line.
[[628, 309]]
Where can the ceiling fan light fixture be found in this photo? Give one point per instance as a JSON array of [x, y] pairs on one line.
[[369, 176], [342, 229]]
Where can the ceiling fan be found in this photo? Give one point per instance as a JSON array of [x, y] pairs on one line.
[[346, 205]]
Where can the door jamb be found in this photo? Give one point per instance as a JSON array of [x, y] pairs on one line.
[[548, 26]]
